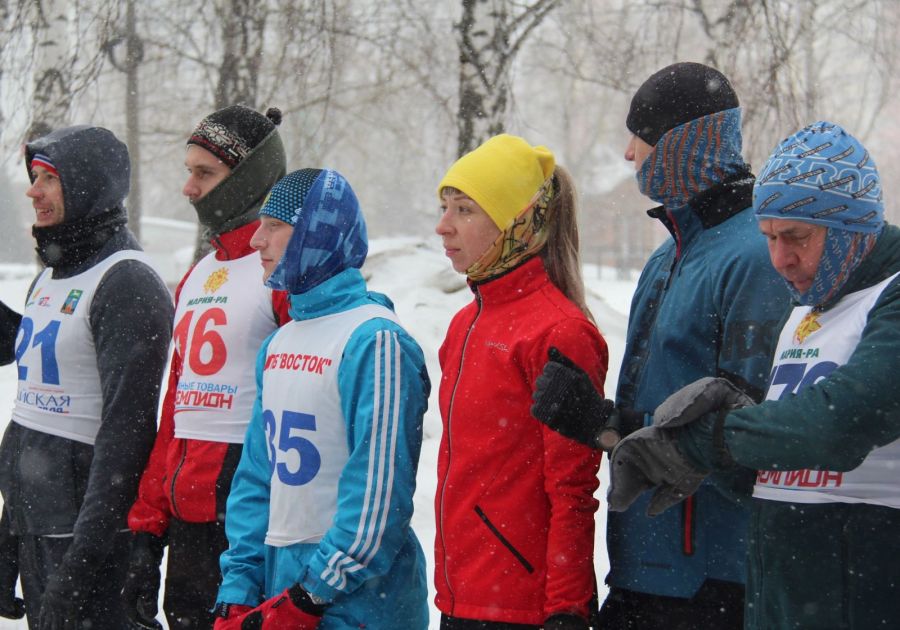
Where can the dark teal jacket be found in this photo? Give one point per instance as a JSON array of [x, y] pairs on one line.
[[708, 303], [829, 565]]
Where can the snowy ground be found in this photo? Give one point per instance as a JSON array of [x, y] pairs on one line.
[[426, 293]]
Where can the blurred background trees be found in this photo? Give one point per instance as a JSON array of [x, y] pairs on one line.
[[390, 92]]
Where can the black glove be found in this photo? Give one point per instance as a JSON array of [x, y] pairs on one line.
[[566, 401], [656, 458], [9, 328], [140, 593], [566, 621], [59, 612], [11, 607]]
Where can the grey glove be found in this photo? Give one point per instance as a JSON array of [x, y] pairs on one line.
[[652, 459]]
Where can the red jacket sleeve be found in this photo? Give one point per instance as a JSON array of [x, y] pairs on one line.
[[570, 480]]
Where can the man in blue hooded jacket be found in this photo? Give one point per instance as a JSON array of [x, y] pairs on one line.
[[318, 518], [707, 304]]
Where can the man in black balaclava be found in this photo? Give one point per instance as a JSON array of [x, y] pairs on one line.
[[708, 303]]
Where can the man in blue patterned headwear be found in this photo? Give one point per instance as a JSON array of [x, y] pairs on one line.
[[826, 442], [707, 304], [318, 519]]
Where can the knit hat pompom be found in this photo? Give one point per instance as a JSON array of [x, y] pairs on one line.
[[286, 200], [675, 95], [503, 175], [233, 132], [821, 175], [274, 114]]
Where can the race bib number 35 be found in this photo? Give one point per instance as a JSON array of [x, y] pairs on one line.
[[293, 457]]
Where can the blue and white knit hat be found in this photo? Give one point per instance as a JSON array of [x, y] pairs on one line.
[[285, 201], [821, 175]]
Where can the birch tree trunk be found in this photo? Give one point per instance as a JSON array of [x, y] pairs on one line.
[[489, 34], [52, 66], [243, 27]]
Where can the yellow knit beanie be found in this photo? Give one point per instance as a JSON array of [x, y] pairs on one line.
[[502, 176]]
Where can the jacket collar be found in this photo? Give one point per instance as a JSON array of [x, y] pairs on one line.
[[236, 243], [708, 209], [512, 285], [341, 292]]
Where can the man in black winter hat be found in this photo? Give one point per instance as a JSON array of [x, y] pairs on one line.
[[223, 313], [707, 304], [91, 350]]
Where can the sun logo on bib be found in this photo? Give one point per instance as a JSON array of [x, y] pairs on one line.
[[808, 325], [215, 280]]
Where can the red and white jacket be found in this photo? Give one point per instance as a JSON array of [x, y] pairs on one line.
[[514, 504], [187, 477]]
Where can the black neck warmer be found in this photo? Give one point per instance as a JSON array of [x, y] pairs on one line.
[[68, 245]]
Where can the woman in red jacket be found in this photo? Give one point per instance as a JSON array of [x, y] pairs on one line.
[[514, 505]]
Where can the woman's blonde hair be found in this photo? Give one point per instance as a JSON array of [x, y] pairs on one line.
[[561, 253]]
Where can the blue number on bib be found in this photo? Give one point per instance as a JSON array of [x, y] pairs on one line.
[[796, 377], [310, 460], [46, 339], [26, 327], [269, 419]]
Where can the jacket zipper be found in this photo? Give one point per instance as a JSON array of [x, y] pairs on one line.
[[462, 357], [175, 479], [503, 540], [687, 526]]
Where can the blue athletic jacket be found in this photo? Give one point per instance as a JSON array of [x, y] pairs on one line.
[[708, 303], [368, 565], [392, 585]]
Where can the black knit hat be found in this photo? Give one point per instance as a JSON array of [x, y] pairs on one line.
[[231, 133], [675, 95]]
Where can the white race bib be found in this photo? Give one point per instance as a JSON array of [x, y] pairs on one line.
[[224, 313], [305, 425], [59, 383], [810, 347]]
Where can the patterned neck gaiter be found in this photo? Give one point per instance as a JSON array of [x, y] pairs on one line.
[[693, 157], [843, 252], [524, 238]]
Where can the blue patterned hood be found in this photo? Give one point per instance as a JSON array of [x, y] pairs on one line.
[[329, 237]]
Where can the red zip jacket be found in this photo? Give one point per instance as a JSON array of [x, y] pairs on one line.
[[514, 504], [185, 478]]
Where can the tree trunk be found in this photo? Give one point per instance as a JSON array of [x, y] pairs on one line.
[[489, 34], [52, 93], [134, 57], [243, 27]]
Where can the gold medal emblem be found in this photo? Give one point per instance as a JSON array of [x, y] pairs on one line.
[[808, 325], [215, 280]]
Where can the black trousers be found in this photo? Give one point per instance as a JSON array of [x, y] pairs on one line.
[[717, 604], [39, 557], [456, 623], [192, 574]]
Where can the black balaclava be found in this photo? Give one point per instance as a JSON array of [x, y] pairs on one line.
[[249, 144], [94, 172]]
